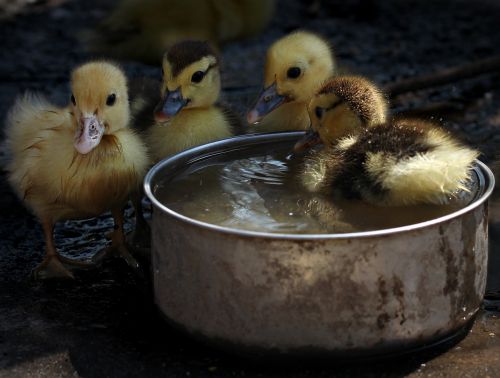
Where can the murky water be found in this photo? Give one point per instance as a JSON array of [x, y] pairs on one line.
[[262, 193]]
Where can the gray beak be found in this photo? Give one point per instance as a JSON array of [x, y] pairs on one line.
[[268, 100], [170, 105]]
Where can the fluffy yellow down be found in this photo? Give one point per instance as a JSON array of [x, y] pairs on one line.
[[190, 127], [432, 177], [53, 178]]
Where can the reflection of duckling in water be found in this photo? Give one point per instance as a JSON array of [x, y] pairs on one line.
[[144, 29], [399, 162], [187, 115], [76, 162], [296, 66]]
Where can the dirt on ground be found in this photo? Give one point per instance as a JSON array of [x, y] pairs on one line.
[[105, 322]]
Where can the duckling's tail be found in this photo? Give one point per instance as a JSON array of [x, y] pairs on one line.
[[430, 177], [29, 121]]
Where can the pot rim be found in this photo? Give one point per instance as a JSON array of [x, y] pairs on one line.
[[486, 180]]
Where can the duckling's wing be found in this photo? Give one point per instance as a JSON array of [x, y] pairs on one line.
[[234, 119], [144, 93], [35, 128]]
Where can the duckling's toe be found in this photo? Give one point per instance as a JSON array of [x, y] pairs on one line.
[[117, 250], [51, 268], [75, 264]]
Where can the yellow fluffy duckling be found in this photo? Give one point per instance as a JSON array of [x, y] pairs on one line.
[[76, 162], [144, 29], [187, 114], [296, 67], [399, 162]]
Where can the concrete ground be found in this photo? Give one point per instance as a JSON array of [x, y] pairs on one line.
[[105, 323]]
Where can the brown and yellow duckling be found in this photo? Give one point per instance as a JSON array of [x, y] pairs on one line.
[[296, 67], [76, 162], [188, 114], [396, 162]]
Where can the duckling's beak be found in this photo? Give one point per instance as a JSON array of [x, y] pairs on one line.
[[170, 105], [309, 140], [88, 134], [268, 100]]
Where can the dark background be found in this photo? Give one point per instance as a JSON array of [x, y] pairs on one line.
[[104, 323]]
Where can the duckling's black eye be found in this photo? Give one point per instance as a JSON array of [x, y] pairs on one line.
[[110, 101], [293, 72], [319, 112], [197, 76], [73, 101]]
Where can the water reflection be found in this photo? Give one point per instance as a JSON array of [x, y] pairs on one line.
[[262, 193]]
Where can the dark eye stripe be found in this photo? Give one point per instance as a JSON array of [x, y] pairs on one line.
[[204, 73], [334, 105], [209, 68]]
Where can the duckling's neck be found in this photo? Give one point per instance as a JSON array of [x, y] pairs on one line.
[[104, 177], [289, 116], [189, 128]]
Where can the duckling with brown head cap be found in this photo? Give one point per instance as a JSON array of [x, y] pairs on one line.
[[188, 114], [395, 162]]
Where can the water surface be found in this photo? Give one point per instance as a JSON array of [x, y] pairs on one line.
[[262, 193]]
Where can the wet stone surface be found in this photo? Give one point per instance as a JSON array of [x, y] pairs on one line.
[[104, 323]]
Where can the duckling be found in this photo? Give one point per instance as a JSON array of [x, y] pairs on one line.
[[395, 162], [143, 29], [187, 115], [78, 161], [296, 67]]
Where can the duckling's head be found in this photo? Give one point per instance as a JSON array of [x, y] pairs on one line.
[[296, 66], [99, 103], [343, 106], [191, 79]]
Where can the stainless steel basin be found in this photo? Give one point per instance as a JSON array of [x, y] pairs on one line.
[[357, 294]]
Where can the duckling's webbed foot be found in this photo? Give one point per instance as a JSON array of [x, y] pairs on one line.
[[55, 266], [120, 251], [75, 264], [118, 247], [58, 267]]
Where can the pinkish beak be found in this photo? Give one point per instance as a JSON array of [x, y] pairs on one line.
[[88, 134]]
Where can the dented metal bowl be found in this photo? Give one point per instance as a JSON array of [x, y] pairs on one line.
[[357, 295]]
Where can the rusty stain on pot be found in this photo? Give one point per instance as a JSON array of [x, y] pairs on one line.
[[398, 290], [365, 293], [451, 267]]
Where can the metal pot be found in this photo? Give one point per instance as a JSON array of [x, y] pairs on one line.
[[357, 294]]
